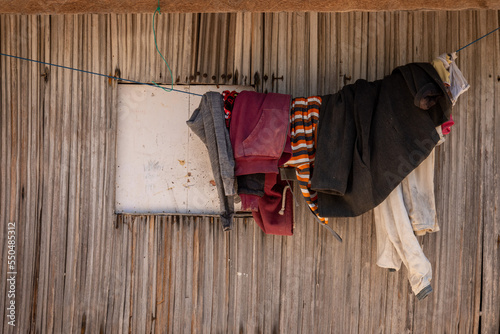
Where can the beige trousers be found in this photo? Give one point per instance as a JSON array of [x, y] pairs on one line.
[[410, 209]]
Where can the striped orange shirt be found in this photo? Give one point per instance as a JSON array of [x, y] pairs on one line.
[[304, 119]]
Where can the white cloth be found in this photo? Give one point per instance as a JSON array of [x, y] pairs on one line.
[[458, 83], [419, 199], [410, 207], [439, 130]]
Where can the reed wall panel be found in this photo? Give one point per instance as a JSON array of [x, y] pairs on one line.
[[80, 268]]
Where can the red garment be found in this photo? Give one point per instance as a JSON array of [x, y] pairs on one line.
[[446, 126], [260, 137], [229, 98], [270, 217], [249, 202], [258, 132]]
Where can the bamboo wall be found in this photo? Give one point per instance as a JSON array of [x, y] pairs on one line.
[[80, 268]]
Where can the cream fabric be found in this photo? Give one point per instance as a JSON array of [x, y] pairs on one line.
[[410, 209]]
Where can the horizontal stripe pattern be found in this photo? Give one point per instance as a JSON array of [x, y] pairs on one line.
[[304, 119]]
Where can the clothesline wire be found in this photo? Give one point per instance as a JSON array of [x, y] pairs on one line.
[[491, 32], [95, 73]]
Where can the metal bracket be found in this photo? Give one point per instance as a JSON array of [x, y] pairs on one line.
[[45, 74], [346, 78], [275, 78]]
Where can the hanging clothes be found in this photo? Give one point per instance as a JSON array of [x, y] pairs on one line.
[[451, 75], [446, 126], [419, 198], [259, 132], [208, 123], [260, 138], [229, 98], [445, 65], [409, 209], [251, 189], [458, 83], [442, 67], [444, 74], [453, 80], [397, 243], [304, 118], [275, 207], [371, 135]]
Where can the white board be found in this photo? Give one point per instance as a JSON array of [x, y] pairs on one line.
[[162, 166]]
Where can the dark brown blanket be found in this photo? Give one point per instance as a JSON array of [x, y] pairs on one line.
[[371, 135]]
